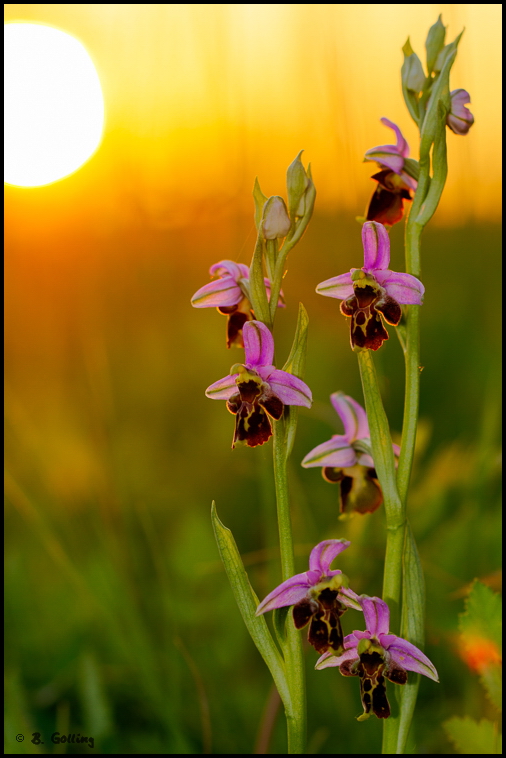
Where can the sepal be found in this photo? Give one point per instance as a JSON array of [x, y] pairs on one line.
[[413, 80], [434, 43], [297, 183]]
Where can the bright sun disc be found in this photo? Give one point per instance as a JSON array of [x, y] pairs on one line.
[[54, 108]]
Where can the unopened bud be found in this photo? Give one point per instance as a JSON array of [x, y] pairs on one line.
[[297, 183], [412, 74], [275, 222], [434, 43]]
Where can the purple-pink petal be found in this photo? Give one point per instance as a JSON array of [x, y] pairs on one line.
[[336, 452], [405, 288], [391, 156], [230, 268], [289, 388], [408, 656], [376, 246], [460, 119], [387, 156], [363, 459], [289, 592], [258, 344], [402, 146], [352, 415], [221, 292], [376, 615], [340, 287], [324, 553], [223, 388], [267, 283], [409, 181], [349, 598], [328, 659]]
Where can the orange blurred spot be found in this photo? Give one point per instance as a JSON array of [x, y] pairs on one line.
[[479, 652]]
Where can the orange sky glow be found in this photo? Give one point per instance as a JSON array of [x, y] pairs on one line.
[[200, 98]]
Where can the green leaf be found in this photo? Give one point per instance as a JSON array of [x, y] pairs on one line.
[[296, 361], [296, 364], [260, 200], [483, 614], [472, 737], [248, 602], [491, 679], [257, 289], [435, 43], [481, 631]]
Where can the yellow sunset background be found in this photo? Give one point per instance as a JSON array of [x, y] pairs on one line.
[[120, 619]]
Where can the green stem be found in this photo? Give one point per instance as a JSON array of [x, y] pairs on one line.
[[292, 647], [395, 734], [384, 463]]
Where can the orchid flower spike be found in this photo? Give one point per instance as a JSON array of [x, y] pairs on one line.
[[394, 183], [256, 390], [372, 290], [460, 119], [229, 293], [375, 654], [346, 458], [319, 596]]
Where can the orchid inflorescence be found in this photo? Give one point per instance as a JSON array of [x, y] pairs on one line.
[[370, 469], [319, 597]]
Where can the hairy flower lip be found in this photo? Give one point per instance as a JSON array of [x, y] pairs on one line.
[[250, 399], [374, 655], [319, 597], [389, 289], [400, 652], [299, 586], [347, 458]]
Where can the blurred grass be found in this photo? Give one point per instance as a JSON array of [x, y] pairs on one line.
[[120, 623]]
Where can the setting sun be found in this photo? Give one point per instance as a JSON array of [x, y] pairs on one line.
[[54, 108]]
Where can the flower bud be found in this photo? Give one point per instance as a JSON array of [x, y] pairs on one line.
[[459, 119], [297, 183], [435, 43], [412, 74], [275, 222]]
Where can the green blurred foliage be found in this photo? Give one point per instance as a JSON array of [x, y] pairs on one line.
[[120, 621]]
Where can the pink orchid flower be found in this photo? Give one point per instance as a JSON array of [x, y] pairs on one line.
[[319, 596], [372, 290], [394, 184], [229, 293], [346, 458], [374, 655], [256, 390]]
